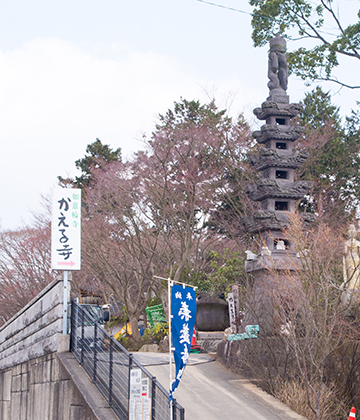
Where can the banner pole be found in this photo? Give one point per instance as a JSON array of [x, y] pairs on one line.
[[177, 282], [170, 283]]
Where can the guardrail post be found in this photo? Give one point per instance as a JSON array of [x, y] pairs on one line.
[[174, 409], [72, 326], [95, 349], [153, 397], [82, 336], [111, 371], [130, 366]]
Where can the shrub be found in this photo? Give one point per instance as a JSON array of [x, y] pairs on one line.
[[151, 335], [295, 395]]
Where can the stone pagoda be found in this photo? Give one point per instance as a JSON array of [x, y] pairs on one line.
[[276, 191]]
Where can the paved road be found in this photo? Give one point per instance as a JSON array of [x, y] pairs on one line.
[[209, 391]]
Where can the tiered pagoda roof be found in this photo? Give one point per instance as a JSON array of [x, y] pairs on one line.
[[277, 191]]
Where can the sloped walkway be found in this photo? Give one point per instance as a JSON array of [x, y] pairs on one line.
[[210, 391]]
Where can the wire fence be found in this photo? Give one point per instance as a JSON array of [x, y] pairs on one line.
[[111, 368]]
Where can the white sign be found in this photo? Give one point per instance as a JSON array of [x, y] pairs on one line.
[[140, 402], [66, 229], [235, 292], [232, 314]]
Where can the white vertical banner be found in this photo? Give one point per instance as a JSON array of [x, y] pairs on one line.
[[232, 314], [183, 316], [66, 229], [235, 292]]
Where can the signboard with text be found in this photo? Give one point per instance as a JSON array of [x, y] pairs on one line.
[[232, 312], [66, 229], [140, 401]]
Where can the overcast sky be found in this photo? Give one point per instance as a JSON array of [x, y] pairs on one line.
[[73, 71]]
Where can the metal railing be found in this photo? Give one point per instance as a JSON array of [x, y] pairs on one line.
[[109, 365]]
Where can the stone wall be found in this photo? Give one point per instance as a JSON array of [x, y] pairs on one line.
[[43, 389], [39, 378], [33, 332]]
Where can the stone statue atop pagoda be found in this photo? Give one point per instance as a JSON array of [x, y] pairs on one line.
[[278, 68]]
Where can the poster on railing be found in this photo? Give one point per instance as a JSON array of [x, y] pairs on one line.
[[140, 401], [183, 316]]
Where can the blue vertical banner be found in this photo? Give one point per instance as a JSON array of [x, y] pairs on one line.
[[183, 316]]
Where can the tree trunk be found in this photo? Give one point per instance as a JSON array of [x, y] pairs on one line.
[[165, 302], [134, 326]]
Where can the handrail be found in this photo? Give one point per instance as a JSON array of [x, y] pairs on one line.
[[109, 366]]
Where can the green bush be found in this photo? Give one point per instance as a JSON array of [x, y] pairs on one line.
[[151, 335], [157, 333]]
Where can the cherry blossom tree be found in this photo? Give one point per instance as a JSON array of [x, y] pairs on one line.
[[156, 215], [121, 250], [25, 267], [188, 175]]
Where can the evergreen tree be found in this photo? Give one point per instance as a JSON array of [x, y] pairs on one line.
[[334, 163], [98, 156]]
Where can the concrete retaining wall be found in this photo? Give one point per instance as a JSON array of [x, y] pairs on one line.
[[33, 332], [39, 378], [51, 387]]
